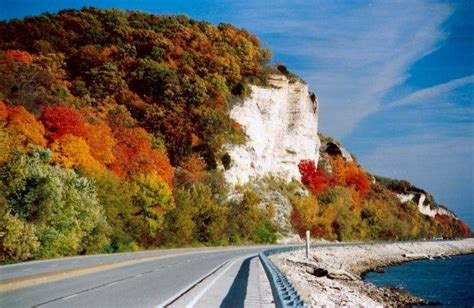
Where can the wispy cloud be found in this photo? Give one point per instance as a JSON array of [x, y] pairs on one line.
[[351, 55], [427, 93]]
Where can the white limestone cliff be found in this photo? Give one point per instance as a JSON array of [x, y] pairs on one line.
[[426, 209], [281, 123]]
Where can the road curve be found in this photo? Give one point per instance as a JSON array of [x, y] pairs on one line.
[[142, 279]]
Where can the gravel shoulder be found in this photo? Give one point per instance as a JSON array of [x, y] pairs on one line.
[[332, 275]]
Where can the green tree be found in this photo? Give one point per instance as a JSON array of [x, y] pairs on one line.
[[18, 241], [62, 207], [250, 220], [152, 199], [181, 225]]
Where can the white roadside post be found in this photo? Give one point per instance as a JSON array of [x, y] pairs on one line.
[[307, 244]]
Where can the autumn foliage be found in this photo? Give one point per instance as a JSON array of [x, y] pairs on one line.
[[20, 56], [345, 205], [343, 173], [60, 121], [316, 181], [112, 133], [24, 127]]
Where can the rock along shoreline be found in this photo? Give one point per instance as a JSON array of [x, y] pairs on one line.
[[332, 275]]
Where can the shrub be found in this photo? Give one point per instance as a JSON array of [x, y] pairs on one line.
[[62, 206], [18, 241]]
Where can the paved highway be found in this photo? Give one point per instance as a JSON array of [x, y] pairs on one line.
[[201, 277]]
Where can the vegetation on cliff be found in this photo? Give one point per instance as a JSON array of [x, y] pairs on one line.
[[112, 125], [347, 203]]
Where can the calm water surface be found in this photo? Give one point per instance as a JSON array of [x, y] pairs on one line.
[[448, 281]]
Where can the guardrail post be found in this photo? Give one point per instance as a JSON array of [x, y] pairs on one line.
[[307, 243]]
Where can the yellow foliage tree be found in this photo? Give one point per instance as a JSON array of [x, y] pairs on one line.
[[305, 213], [73, 152]]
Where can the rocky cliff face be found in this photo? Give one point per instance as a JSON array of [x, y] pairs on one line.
[[425, 208], [281, 122]]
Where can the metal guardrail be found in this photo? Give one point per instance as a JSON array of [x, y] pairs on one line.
[[283, 292]]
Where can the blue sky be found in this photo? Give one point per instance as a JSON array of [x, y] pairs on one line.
[[395, 79]]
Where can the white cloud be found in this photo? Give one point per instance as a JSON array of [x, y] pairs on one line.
[[353, 53], [425, 94]]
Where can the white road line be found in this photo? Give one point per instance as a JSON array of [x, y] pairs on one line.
[[26, 269], [189, 287], [203, 291], [68, 297]]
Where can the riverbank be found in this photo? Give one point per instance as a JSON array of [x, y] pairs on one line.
[[332, 276]]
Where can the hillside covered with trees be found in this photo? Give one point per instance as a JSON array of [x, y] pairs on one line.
[[112, 126]]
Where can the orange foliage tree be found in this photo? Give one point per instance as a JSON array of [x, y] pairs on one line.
[[20, 56], [194, 165], [349, 174], [3, 111], [135, 155], [356, 177], [24, 127]]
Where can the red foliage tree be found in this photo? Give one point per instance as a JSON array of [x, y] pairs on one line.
[[297, 223], [465, 231], [20, 56], [59, 121], [316, 181], [443, 220], [3, 111]]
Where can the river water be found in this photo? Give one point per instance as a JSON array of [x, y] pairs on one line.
[[449, 281]]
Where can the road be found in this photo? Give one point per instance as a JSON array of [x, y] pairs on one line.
[[201, 277]]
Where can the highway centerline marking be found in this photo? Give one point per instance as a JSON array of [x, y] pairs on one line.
[[107, 284], [31, 280], [23, 282]]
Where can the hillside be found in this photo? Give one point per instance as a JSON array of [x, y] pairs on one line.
[[120, 131]]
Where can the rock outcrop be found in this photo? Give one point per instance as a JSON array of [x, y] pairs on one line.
[[425, 208], [332, 148], [281, 123]]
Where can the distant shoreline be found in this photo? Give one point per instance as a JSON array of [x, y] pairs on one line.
[[333, 274]]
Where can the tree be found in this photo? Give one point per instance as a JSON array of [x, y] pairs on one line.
[[134, 155], [193, 168], [31, 81], [101, 141], [60, 120], [61, 206], [115, 196], [305, 215], [73, 152], [198, 217], [181, 225], [18, 241], [316, 181], [152, 199], [24, 128], [357, 178]]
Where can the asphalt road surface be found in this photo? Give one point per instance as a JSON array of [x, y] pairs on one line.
[[201, 277]]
